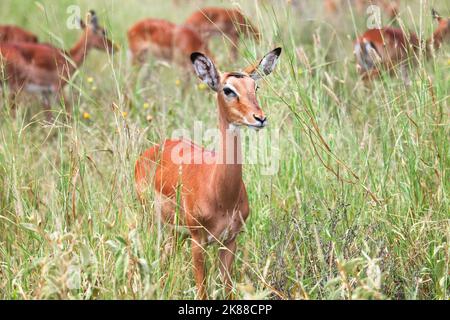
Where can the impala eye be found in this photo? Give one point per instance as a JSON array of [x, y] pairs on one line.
[[228, 92]]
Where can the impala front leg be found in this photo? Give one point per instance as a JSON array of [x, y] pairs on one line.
[[198, 260], [226, 257]]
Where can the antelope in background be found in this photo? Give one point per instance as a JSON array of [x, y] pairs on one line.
[[211, 22], [164, 40], [388, 47], [44, 69], [213, 199], [9, 33]]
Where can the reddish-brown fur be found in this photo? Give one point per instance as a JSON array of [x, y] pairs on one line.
[[212, 21], [213, 200], [9, 33], [42, 68], [392, 43], [393, 47], [164, 40]]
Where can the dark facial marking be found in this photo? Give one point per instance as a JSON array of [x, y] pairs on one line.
[[237, 75]]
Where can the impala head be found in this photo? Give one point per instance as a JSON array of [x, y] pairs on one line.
[[95, 34], [236, 91], [443, 28]]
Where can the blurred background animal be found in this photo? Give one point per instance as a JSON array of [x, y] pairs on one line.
[[10, 33], [44, 69], [231, 23]]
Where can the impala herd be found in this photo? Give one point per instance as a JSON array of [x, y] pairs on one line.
[[208, 198]]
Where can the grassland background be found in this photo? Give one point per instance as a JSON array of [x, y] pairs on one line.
[[366, 218]]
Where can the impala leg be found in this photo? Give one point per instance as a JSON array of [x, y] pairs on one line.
[[140, 57], [198, 258], [145, 75], [140, 63], [226, 257]]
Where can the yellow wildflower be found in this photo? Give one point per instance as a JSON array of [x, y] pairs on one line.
[[146, 105], [124, 114], [177, 82], [90, 80], [86, 116], [202, 86]]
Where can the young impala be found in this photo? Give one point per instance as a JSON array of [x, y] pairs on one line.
[[9, 33], [388, 47], [222, 21], [213, 199], [44, 69], [164, 40]]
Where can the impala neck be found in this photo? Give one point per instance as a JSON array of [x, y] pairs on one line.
[[79, 51], [228, 168]]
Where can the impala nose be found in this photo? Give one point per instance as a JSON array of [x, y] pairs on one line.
[[260, 119]]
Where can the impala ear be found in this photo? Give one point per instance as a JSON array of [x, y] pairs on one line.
[[82, 24], [205, 70], [93, 19], [265, 66], [435, 15]]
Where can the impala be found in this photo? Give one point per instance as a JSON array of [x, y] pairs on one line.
[[222, 21], [44, 69], [213, 198], [164, 40], [9, 33], [389, 47]]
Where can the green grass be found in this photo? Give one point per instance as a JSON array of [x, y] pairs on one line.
[[358, 209]]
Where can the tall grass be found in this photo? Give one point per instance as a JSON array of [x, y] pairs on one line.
[[359, 207]]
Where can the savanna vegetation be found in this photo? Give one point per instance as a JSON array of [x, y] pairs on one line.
[[359, 205]]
